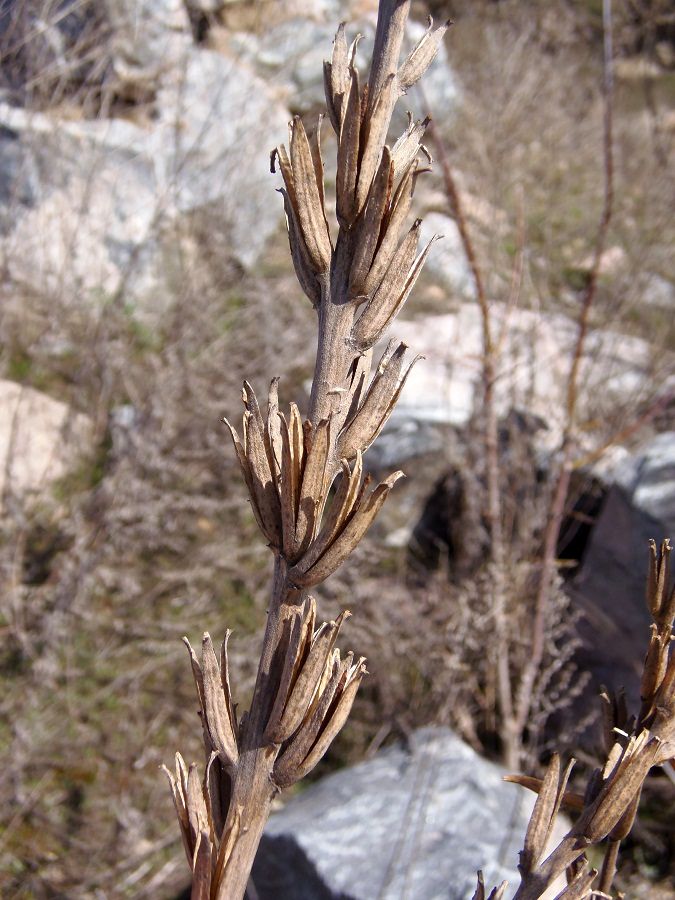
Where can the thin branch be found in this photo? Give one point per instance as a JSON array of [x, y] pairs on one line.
[[557, 510]]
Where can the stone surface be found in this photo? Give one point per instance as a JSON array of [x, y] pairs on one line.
[[532, 372], [292, 53], [149, 34], [40, 439], [415, 823], [89, 200], [609, 590], [648, 477], [447, 261]]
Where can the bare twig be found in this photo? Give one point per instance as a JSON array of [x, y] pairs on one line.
[[494, 514], [557, 510]]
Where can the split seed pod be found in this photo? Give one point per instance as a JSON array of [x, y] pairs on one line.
[[215, 699]]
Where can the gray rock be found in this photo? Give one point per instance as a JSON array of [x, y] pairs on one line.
[[89, 203], [150, 35], [88, 200], [218, 123], [609, 590], [447, 261], [648, 477], [659, 292], [415, 823], [40, 439], [292, 53], [445, 386]]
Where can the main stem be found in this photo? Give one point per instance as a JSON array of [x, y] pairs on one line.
[[253, 789]]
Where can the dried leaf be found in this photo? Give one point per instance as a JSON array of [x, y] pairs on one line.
[[310, 210], [217, 709], [273, 430], [619, 790], [346, 541], [248, 477], [286, 768], [289, 493], [300, 255], [339, 69], [264, 489], [337, 719], [196, 805], [368, 233], [580, 888], [356, 381], [317, 158], [373, 327], [653, 600], [570, 800], [654, 670], [479, 893], [376, 125], [313, 482], [422, 56], [348, 155], [386, 300], [225, 681], [290, 646], [362, 430], [181, 811], [340, 510], [217, 790], [196, 672], [303, 691], [407, 147], [333, 112], [540, 821], [201, 873], [662, 579], [392, 227], [227, 841]]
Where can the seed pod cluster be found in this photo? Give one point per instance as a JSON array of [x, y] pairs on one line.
[[316, 692], [622, 781], [633, 745], [287, 467], [207, 844]]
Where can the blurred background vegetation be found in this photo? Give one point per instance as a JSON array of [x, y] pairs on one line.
[[136, 529]]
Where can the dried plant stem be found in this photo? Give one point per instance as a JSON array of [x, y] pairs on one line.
[[633, 745], [568, 445], [608, 870], [253, 788], [304, 688], [333, 355], [490, 357]]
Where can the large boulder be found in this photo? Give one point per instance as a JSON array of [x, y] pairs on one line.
[[292, 52], [648, 477], [415, 822], [445, 387], [40, 439], [88, 202]]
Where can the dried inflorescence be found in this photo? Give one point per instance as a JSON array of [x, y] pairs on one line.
[[357, 279], [633, 745], [287, 467]]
